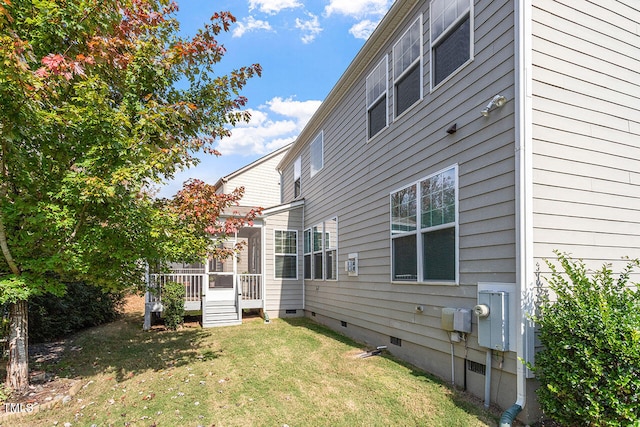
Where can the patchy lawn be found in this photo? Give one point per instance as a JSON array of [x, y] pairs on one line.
[[294, 373]]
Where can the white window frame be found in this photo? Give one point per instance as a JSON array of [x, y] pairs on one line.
[[316, 151], [297, 177], [377, 88], [324, 248], [283, 254], [330, 244], [308, 252], [464, 9], [418, 231], [400, 71]]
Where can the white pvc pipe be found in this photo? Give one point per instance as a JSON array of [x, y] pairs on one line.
[[487, 380]]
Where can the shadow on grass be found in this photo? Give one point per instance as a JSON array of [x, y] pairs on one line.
[[463, 400], [125, 350]]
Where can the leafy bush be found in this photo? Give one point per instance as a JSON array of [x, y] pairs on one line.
[[589, 368], [173, 294], [82, 306]]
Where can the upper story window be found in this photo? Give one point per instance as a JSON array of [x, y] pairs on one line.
[[317, 154], [424, 229], [297, 172], [377, 104], [451, 37], [286, 254], [407, 69]]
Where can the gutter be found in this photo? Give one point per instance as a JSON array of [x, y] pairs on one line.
[[524, 201]]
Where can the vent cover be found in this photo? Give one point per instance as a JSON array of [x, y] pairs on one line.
[[396, 341], [291, 311], [343, 323], [476, 367]]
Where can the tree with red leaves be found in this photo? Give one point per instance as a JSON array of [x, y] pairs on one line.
[[100, 100]]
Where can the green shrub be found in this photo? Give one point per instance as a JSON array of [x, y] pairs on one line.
[[173, 294], [82, 306], [589, 367]]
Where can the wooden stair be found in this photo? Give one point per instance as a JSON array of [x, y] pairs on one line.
[[220, 313]]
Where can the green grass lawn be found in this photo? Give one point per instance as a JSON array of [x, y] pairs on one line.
[[293, 373]]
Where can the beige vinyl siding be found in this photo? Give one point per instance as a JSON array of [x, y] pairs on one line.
[[358, 176], [586, 87], [261, 181], [282, 294]]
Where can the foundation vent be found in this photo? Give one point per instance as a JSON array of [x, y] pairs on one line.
[[343, 323], [476, 367], [291, 311], [396, 341]]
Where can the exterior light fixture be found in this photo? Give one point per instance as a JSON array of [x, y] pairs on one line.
[[497, 102]]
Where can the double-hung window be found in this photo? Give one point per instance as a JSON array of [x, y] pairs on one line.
[[424, 229], [297, 173], [317, 252], [331, 249], [377, 105], [286, 254], [307, 253], [317, 154], [451, 37], [407, 69], [321, 251]]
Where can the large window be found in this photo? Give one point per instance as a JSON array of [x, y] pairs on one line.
[[317, 154], [451, 37], [423, 229], [407, 69], [377, 115], [321, 251], [286, 254], [297, 172]]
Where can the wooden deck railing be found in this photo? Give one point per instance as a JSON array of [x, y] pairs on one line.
[[250, 286], [192, 282]]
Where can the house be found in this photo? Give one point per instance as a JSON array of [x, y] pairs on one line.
[[464, 143], [264, 276]]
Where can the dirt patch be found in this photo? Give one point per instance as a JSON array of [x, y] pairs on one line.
[[45, 389]]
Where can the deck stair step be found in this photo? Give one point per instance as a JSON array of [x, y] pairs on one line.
[[220, 313]]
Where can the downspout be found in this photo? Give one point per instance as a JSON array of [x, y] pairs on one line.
[[524, 198]]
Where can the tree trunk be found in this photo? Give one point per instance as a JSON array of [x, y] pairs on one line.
[[18, 364]]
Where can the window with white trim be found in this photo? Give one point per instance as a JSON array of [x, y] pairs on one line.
[[451, 37], [307, 253], [321, 251], [317, 253], [286, 254], [331, 249], [407, 68], [377, 105], [297, 173], [317, 154], [424, 229]]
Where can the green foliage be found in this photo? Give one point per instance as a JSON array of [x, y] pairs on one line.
[[589, 326], [82, 306], [173, 294]]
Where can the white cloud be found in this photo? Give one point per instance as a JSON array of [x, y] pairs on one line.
[[274, 125], [273, 6], [250, 24], [310, 28], [363, 29], [358, 8]]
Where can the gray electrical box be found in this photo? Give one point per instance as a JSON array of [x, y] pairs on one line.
[[456, 319], [493, 320]]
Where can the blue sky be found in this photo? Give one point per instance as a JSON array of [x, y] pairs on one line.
[[303, 48]]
